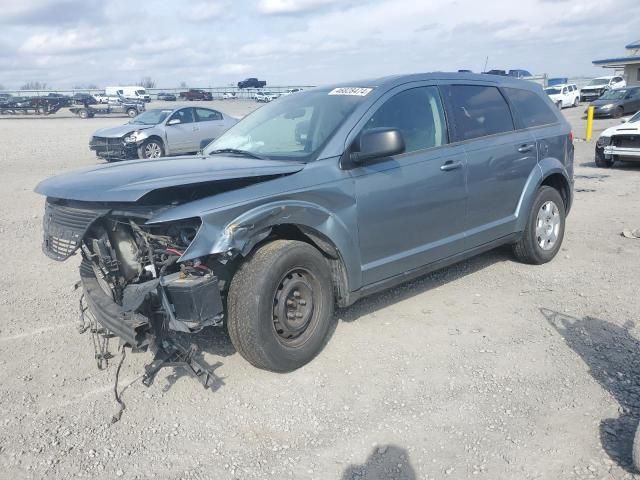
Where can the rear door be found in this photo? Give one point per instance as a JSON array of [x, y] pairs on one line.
[[210, 123], [411, 207], [499, 159], [182, 136]]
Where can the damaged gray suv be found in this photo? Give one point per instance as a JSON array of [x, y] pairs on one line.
[[314, 200]]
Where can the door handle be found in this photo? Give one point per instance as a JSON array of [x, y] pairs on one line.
[[527, 147], [450, 165]]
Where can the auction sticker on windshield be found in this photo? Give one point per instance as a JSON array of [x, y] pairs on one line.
[[357, 91]]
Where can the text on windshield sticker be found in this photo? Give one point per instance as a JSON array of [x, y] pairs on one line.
[[357, 91]]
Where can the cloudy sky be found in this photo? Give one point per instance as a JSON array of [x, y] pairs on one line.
[[301, 42]]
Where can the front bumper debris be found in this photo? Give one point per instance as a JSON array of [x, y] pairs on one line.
[[113, 148], [623, 146]]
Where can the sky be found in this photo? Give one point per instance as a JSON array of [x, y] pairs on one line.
[[68, 43]]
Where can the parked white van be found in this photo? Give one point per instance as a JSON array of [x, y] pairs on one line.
[[133, 92]]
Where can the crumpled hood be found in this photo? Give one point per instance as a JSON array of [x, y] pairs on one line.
[[130, 181], [624, 128], [120, 131]]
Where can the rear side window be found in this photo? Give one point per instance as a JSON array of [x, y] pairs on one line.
[[479, 111], [532, 111], [418, 114], [206, 115]]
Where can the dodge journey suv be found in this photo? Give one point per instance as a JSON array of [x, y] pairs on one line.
[[313, 201]]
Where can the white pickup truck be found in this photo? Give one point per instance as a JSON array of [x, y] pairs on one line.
[[564, 95], [598, 86]]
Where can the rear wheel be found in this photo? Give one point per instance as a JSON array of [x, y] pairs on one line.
[[150, 149], [544, 232], [83, 113], [280, 305], [617, 112], [575, 101], [132, 112]]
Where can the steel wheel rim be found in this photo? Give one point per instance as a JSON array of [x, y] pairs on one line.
[[548, 225], [152, 150], [294, 307]]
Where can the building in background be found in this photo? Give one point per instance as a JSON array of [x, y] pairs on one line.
[[629, 64]]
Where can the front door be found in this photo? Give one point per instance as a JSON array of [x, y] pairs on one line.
[[411, 207], [182, 132]]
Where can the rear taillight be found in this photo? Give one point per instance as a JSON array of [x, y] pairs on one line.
[[571, 137]]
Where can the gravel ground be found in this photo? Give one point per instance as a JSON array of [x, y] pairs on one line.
[[489, 369]]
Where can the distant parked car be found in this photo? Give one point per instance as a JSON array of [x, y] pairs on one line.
[[196, 94], [252, 83], [160, 132], [616, 103], [502, 73], [229, 96], [519, 73], [557, 81], [464, 70], [84, 99], [596, 87], [564, 95], [289, 91], [4, 98], [621, 142], [266, 96], [101, 97], [167, 97]]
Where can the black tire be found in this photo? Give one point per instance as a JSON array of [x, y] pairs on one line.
[[575, 102], [132, 112], [602, 162], [265, 284], [559, 105], [83, 113], [149, 148], [617, 112], [528, 249]]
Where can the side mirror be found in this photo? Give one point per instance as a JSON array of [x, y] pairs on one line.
[[377, 143], [174, 121]]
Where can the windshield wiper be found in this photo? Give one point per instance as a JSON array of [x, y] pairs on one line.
[[236, 151]]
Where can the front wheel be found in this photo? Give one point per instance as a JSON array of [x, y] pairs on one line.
[[544, 232], [601, 161], [617, 112], [132, 112], [280, 305], [151, 149]]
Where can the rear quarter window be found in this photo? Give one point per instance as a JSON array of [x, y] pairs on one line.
[[531, 110]]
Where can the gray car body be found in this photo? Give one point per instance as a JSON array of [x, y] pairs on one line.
[[176, 139], [381, 222]]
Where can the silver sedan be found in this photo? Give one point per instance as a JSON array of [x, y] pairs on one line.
[[161, 132]]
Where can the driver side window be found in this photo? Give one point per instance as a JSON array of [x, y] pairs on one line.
[[418, 114], [185, 115]]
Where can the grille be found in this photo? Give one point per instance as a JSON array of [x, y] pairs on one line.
[[106, 142], [64, 228], [627, 141]]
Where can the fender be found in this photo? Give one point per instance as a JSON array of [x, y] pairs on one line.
[[241, 234], [545, 168]]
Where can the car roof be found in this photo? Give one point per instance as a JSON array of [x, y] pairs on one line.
[[395, 80]]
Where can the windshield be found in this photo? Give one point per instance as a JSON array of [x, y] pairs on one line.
[[552, 91], [599, 81], [151, 117], [635, 118], [295, 127], [614, 94]]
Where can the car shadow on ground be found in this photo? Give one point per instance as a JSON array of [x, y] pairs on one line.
[[386, 462], [423, 284], [613, 357], [216, 342]]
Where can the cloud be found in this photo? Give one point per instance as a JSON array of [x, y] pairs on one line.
[[51, 12], [275, 7], [203, 11], [67, 41]]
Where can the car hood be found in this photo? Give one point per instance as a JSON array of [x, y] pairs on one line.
[[623, 129], [602, 103], [130, 181], [120, 131]]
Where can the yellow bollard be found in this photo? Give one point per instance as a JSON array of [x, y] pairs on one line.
[[589, 124]]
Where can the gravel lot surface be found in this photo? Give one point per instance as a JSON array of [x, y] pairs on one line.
[[489, 369]]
